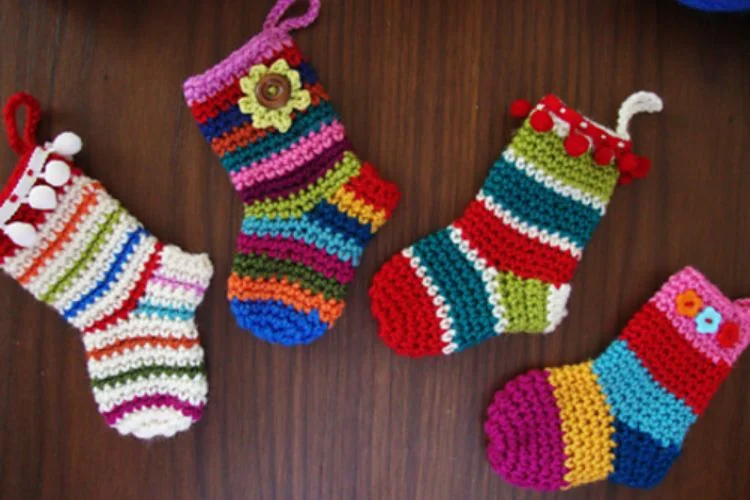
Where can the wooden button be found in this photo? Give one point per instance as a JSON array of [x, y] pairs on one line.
[[273, 91]]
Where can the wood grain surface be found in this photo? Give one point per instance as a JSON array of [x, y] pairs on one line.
[[423, 87]]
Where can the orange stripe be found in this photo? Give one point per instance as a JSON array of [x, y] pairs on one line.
[[62, 237], [241, 136], [119, 347], [247, 288]]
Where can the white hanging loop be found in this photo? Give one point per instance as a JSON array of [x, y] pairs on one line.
[[639, 102]]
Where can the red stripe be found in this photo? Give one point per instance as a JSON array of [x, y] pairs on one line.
[[405, 312], [228, 97], [508, 250], [671, 360], [375, 191], [132, 301]]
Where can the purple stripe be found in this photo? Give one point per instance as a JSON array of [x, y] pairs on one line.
[[281, 248], [177, 283], [300, 178], [160, 400]]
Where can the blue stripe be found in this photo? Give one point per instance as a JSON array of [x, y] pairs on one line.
[[637, 400], [276, 322], [309, 231], [460, 285], [224, 122], [133, 239], [329, 216], [537, 205], [640, 461], [310, 121]]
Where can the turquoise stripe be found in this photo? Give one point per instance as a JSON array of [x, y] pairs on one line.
[[304, 124], [637, 400], [309, 231], [173, 313], [460, 285], [537, 205]]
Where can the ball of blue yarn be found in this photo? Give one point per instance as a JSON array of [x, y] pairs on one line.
[[718, 5]]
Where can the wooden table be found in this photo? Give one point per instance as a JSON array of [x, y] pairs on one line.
[[423, 87]]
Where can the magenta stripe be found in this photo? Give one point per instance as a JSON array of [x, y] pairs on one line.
[[523, 425], [280, 248], [164, 280], [304, 177], [264, 45], [290, 159], [159, 400]]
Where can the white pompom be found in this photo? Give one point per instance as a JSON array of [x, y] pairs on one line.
[[42, 198], [67, 144], [56, 173], [22, 234]]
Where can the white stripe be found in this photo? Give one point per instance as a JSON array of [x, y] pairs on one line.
[[143, 357], [442, 311], [192, 390], [96, 268], [137, 327], [557, 300], [489, 277], [152, 422], [556, 185], [74, 247], [553, 240], [119, 289]]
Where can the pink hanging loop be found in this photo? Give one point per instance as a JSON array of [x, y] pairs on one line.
[[303, 21], [19, 144]]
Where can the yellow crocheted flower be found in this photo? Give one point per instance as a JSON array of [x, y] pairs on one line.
[[689, 303], [272, 95]]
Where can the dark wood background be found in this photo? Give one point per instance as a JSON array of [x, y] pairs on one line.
[[423, 87]]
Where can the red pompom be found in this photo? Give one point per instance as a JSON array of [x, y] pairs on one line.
[[520, 109], [604, 156], [728, 335], [576, 144], [628, 163], [541, 121]]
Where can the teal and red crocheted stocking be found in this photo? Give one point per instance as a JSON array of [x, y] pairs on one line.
[[505, 265], [310, 204], [623, 416]]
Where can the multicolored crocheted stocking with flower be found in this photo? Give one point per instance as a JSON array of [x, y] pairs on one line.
[[74, 247], [622, 416], [505, 265], [310, 204]]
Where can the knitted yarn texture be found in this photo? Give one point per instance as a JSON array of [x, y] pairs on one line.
[[505, 265], [76, 248], [624, 415], [310, 204]]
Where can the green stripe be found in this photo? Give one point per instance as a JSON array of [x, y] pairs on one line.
[[525, 303], [546, 151], [145, 372], [262, 266], [86, 257], [303, 201]]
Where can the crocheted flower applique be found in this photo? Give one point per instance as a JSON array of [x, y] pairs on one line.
[[689, 303], [272, 95], [729, 334], [708, 321]]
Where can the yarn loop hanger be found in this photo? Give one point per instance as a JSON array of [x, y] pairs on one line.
[[303, 21], [22, 144]]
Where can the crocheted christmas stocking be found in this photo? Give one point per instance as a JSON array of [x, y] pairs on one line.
[[74, 247], [623, 416], [505, 265], [310, 204]]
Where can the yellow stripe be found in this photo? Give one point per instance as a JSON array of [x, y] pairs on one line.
[[357, 208], [587, 423]]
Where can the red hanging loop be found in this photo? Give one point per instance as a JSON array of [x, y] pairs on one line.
[[22, 145]]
